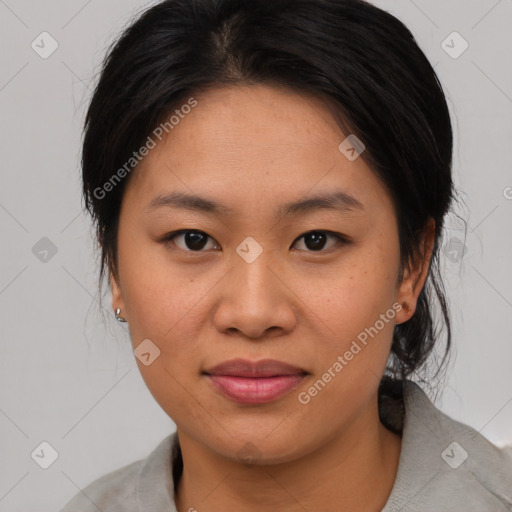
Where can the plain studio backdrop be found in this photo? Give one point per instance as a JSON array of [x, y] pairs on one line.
[[70, 380]]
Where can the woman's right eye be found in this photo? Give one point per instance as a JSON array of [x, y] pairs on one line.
[[188, 240]]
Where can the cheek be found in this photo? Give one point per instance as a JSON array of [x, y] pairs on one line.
[[359, 318], [160, 297], [360, 331], [352, 357]]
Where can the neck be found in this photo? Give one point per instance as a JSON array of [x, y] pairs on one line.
[[354, 471]]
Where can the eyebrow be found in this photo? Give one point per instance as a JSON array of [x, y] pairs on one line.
[[332, 200]]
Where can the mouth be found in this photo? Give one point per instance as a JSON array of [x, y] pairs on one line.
[[258, 382]]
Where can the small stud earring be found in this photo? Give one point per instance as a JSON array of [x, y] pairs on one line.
[[118, 315]]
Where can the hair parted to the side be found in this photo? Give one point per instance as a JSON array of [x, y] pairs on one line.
[[362, 61]]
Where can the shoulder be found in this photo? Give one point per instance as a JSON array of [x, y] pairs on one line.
[[447, 465], [112, 492], [118, 491]]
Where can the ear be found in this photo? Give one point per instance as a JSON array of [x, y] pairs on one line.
[[117, 294], [415, 276]]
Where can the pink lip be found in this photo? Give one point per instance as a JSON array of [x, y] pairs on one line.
[[255, 382]]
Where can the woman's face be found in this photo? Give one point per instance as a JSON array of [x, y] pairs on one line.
[[249, 283]]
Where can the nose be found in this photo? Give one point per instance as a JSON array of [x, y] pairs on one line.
[[256, 301]]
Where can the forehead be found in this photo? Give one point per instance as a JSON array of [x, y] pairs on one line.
[[271, 122], [253, 141]]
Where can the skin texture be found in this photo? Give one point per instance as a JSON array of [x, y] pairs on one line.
[[252, 149]]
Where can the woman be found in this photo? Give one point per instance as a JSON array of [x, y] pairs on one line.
[[269, 182]]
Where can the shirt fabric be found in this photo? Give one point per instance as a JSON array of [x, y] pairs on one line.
[[444, 466]]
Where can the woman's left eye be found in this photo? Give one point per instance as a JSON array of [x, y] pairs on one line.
[[316, 240], [195, 241]]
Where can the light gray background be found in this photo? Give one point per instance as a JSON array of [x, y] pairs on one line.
[[72, 381]]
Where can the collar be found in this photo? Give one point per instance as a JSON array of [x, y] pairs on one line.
[[442, 459]]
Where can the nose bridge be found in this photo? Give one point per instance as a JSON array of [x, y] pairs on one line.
[[252, 269]]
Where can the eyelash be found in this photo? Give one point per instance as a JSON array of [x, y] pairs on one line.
[[341, 239]]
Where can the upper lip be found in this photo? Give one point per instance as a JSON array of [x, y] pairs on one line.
[[263, 368]]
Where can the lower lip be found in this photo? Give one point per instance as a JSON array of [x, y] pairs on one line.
[[260, 390]]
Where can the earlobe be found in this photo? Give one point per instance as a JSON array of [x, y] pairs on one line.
[[405, 313], [117, 296]]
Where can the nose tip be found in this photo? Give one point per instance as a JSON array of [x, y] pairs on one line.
[[254, 302]]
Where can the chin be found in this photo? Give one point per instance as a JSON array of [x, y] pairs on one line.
[[258, 446]]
